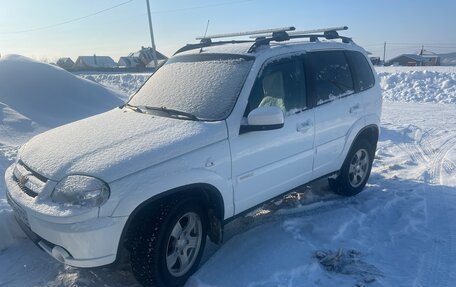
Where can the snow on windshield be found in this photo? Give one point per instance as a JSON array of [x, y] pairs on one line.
[[205, 85]]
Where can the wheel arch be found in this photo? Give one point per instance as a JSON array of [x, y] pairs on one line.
[[209, 194], [370, 132]]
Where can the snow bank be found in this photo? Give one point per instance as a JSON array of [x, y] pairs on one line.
[[34, 97], [399, 84], [48, 95], [127, 84], [9, 229], [418, 85]]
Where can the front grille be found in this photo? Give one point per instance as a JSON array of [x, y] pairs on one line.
[[23, 174], [25, 189], [35, 174]]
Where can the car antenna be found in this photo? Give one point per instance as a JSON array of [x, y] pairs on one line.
[[205, 33]]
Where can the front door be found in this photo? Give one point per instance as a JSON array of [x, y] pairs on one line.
[[268, 163]]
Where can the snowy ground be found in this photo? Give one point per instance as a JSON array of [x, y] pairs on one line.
[[397, 232]]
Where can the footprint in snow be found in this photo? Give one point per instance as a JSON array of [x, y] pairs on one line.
[[348, 262]]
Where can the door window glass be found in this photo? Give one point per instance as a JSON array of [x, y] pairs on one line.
[[280, 84], [329, 75], [361, 70]]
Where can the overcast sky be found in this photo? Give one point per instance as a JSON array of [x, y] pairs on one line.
[[404, 25]]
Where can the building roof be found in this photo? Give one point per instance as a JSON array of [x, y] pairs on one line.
[[64, 59], [152, 64], [148, 53], [130, 61], [430, 56], [97, 61], [413, 57]]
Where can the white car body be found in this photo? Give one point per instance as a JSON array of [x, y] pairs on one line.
[[155, 155]]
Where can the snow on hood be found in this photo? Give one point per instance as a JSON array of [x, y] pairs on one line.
[[116, 143]]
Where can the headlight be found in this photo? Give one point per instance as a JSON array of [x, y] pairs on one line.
[[81, 190]]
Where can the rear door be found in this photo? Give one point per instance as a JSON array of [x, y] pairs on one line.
[[337, 106], [268, 163]]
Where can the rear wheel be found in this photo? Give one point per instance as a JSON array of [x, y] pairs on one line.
[[167, 247], [355, 171]]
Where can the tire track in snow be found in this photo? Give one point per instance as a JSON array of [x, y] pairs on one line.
[[436, 269], [429, 150], [439, 159]]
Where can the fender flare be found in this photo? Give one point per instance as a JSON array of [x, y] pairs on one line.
[[194, 187], [374, 127]]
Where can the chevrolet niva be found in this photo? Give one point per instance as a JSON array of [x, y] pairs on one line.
[[220, 128]]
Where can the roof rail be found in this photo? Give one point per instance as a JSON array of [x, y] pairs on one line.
[[204, 44], [328, 33], [248, 33], [307, 32]]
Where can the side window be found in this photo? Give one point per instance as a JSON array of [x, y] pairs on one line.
[[280, 84], [329, 75], [362, 72]]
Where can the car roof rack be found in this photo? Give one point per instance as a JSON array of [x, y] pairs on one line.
[[264, 37], [248, 33], [328, 33], [306, 32]]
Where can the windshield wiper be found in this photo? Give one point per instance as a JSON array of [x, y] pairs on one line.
[[172, 112], [134, 108]]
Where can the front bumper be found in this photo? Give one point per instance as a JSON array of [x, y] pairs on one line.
[[89, 243]]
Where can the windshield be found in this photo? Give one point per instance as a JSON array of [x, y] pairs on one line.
[[203, 85]]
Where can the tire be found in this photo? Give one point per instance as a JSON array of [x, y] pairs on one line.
[[355, 171], [167, 245]]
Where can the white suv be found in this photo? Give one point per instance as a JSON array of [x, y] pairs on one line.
[[219, 129]]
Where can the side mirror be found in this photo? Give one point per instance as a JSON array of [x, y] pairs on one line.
[[264, 119]]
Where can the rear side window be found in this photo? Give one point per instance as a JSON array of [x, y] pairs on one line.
[[329, 75], [362, 72]]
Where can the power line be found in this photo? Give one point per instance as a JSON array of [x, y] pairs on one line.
[[68, 21], [121, 4]]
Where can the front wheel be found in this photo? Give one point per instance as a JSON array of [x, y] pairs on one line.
[[355, 171], [167, 246]]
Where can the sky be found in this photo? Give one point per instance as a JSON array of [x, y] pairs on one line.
[[37, 29]]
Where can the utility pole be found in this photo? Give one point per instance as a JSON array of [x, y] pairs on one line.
[[384, 54], [154, 50]]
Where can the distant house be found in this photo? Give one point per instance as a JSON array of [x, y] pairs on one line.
[[422, 59], [130, 62], [448, 59], [431, 60], [375, 61], [146, 56], [65, 63], [94, 62], [152, 64]]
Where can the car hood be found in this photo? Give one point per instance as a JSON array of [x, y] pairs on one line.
[[115, 144]]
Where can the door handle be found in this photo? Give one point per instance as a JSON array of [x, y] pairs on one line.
[[354, 108], [304, 127]]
